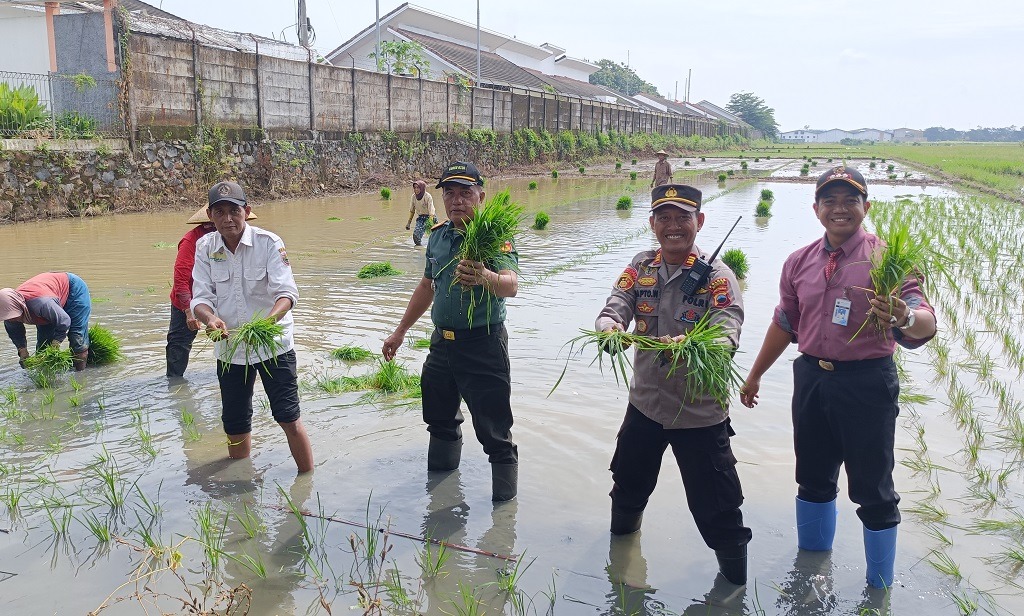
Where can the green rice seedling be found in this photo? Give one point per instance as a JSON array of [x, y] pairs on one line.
[[532, 186], [256, 336], [55, 445], [910, 397], [75, 400], [162, 245], [392, 377], [929, 512], [49, 396], [75, 384], [1015, 555], [722, 177], [767, 194], [432, 556], [763, 209], [466, 603], [540, 221], [702, 159], [100, 528], [757, 160], [367, 218], [252, 563], [510, 576], [634, 161], [489, 237], [146, 441], [944, 564], [736, 259], [46, 365], [730, 172], [396, 592], [554, 174], [251, 522], [104, 347], [625, 202], [965, 604], [377, 269], [188, 420], [421, 343], [632, 176], [385, 193], [113, 488], [890, 168], [152, 507], [12, 497], [351, 353], [327, 383], [211, 527], [936, 533], [333, 218], [618, 165], [686, 163], [60, 519], [582, 169]]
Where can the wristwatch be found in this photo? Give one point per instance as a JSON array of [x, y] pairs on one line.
[[911, 317]]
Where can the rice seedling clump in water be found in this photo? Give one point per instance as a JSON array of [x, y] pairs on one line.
[[541, 220], [351, 353], [736, 259], [104, 347], [376, 270], [48, 363], [489, 237]]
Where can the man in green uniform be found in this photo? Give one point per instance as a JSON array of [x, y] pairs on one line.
[[465, 363]]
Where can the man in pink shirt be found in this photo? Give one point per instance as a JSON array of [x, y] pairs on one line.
[[845, 395], [58, 304]]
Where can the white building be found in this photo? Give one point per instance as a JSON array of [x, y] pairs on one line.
[[799, 136]]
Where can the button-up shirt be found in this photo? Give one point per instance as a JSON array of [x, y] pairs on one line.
[[181, 292], [647, 293], [451, 302], [662, 172], [242, 284], [422, 207], [808, 302]]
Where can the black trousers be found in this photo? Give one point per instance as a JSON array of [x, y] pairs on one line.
[[848, 416], [707, 465], [280, 381], [179, 343], [473, 367]]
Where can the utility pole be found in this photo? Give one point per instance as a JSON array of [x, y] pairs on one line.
[[303, 25], [689, 73], [677, 91], [377, 48], [478, 42]]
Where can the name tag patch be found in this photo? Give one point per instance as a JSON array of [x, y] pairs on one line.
[[841, 312]]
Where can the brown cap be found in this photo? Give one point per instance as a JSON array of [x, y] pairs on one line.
[[680, 195]]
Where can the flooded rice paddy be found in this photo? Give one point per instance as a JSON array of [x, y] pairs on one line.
[[121, 450]]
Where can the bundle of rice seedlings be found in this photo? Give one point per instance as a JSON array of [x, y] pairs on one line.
[[376, 270], [421, 343], [767, 194], [488, 238], [763, 209], [541, 220], [625, 202], [47, 364], [351, 353], [389, 378], [104, 347], [736, 259], [256, 336], [903, 255], [704, 354]]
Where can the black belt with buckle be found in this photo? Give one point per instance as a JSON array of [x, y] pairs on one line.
[[469, 334], [830, 365]]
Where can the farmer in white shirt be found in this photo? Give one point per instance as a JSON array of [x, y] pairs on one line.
[[240, 272]]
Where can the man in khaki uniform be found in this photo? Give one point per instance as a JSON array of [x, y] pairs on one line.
[[662, 170], [662, 411]]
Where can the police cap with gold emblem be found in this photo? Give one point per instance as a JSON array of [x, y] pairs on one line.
[[459, 172], [680, 195], [842, 174]]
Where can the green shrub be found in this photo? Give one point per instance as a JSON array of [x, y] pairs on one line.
[[375, 270], [532, 186], [722, 177], [736, 259], [632, 175], [763, 209], [541, 220], [554, 173], [20, 110], [73, 125], [624, 203], [385, 194], [767, 194]]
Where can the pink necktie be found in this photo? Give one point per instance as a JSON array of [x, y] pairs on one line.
[[833, 258]]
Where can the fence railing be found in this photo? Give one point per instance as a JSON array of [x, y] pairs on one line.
[[58, 106]]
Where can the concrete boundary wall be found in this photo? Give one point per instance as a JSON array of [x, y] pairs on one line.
[[179, 83]]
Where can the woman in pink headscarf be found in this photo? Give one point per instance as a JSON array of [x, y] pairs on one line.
[[58, 304], [422, 207]]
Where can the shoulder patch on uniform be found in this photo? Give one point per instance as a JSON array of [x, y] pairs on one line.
[[626, 279], [284, 256], [721, 294], [507, 247], [641, 326], [690, 260]]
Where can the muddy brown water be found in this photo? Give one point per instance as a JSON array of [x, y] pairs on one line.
[[370, 457]]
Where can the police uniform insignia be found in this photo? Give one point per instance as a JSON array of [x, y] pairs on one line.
[[645, 308], [641, 326], [690, 316], [720, 295], [671, 192], [506, 247], [690, 260], [284, 256], [626, 279], [657, 259], [722, 300], [647, 281]]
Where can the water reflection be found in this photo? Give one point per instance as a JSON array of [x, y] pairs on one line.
[[807, 589]]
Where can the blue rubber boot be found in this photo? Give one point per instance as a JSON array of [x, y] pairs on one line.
[[880, 552], [815, 525]]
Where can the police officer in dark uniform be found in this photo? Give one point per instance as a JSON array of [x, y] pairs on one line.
[[662, 411], [465, 363]]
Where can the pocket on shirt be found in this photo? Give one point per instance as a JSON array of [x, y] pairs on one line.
[[219, 272], [255, 278]]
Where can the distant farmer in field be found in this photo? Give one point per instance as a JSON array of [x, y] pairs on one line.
[[422, 207], [662, 411], [58, 304], [845, 392], [662, 170], [182, 331], [241, 272], [464, 363]]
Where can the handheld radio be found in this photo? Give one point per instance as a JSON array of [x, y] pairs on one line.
[[698, 274]]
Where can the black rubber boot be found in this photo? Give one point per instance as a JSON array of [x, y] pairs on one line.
[[504, 481], [443, 455], [626, 523], [732, 562]]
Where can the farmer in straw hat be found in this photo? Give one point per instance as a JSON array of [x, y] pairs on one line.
[[182, 331], [662, 170], [846, 389], [663, 411], [422, 207], [58, 304], [241, 272]]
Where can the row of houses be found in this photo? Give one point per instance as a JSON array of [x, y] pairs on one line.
[[835, 135], [38, 43]]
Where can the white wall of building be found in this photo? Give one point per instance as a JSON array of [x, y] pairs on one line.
[[25, 47]]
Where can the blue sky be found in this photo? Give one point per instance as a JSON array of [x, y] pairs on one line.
[[871, 63]]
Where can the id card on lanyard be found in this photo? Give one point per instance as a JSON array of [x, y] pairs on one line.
[[841, 312]]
